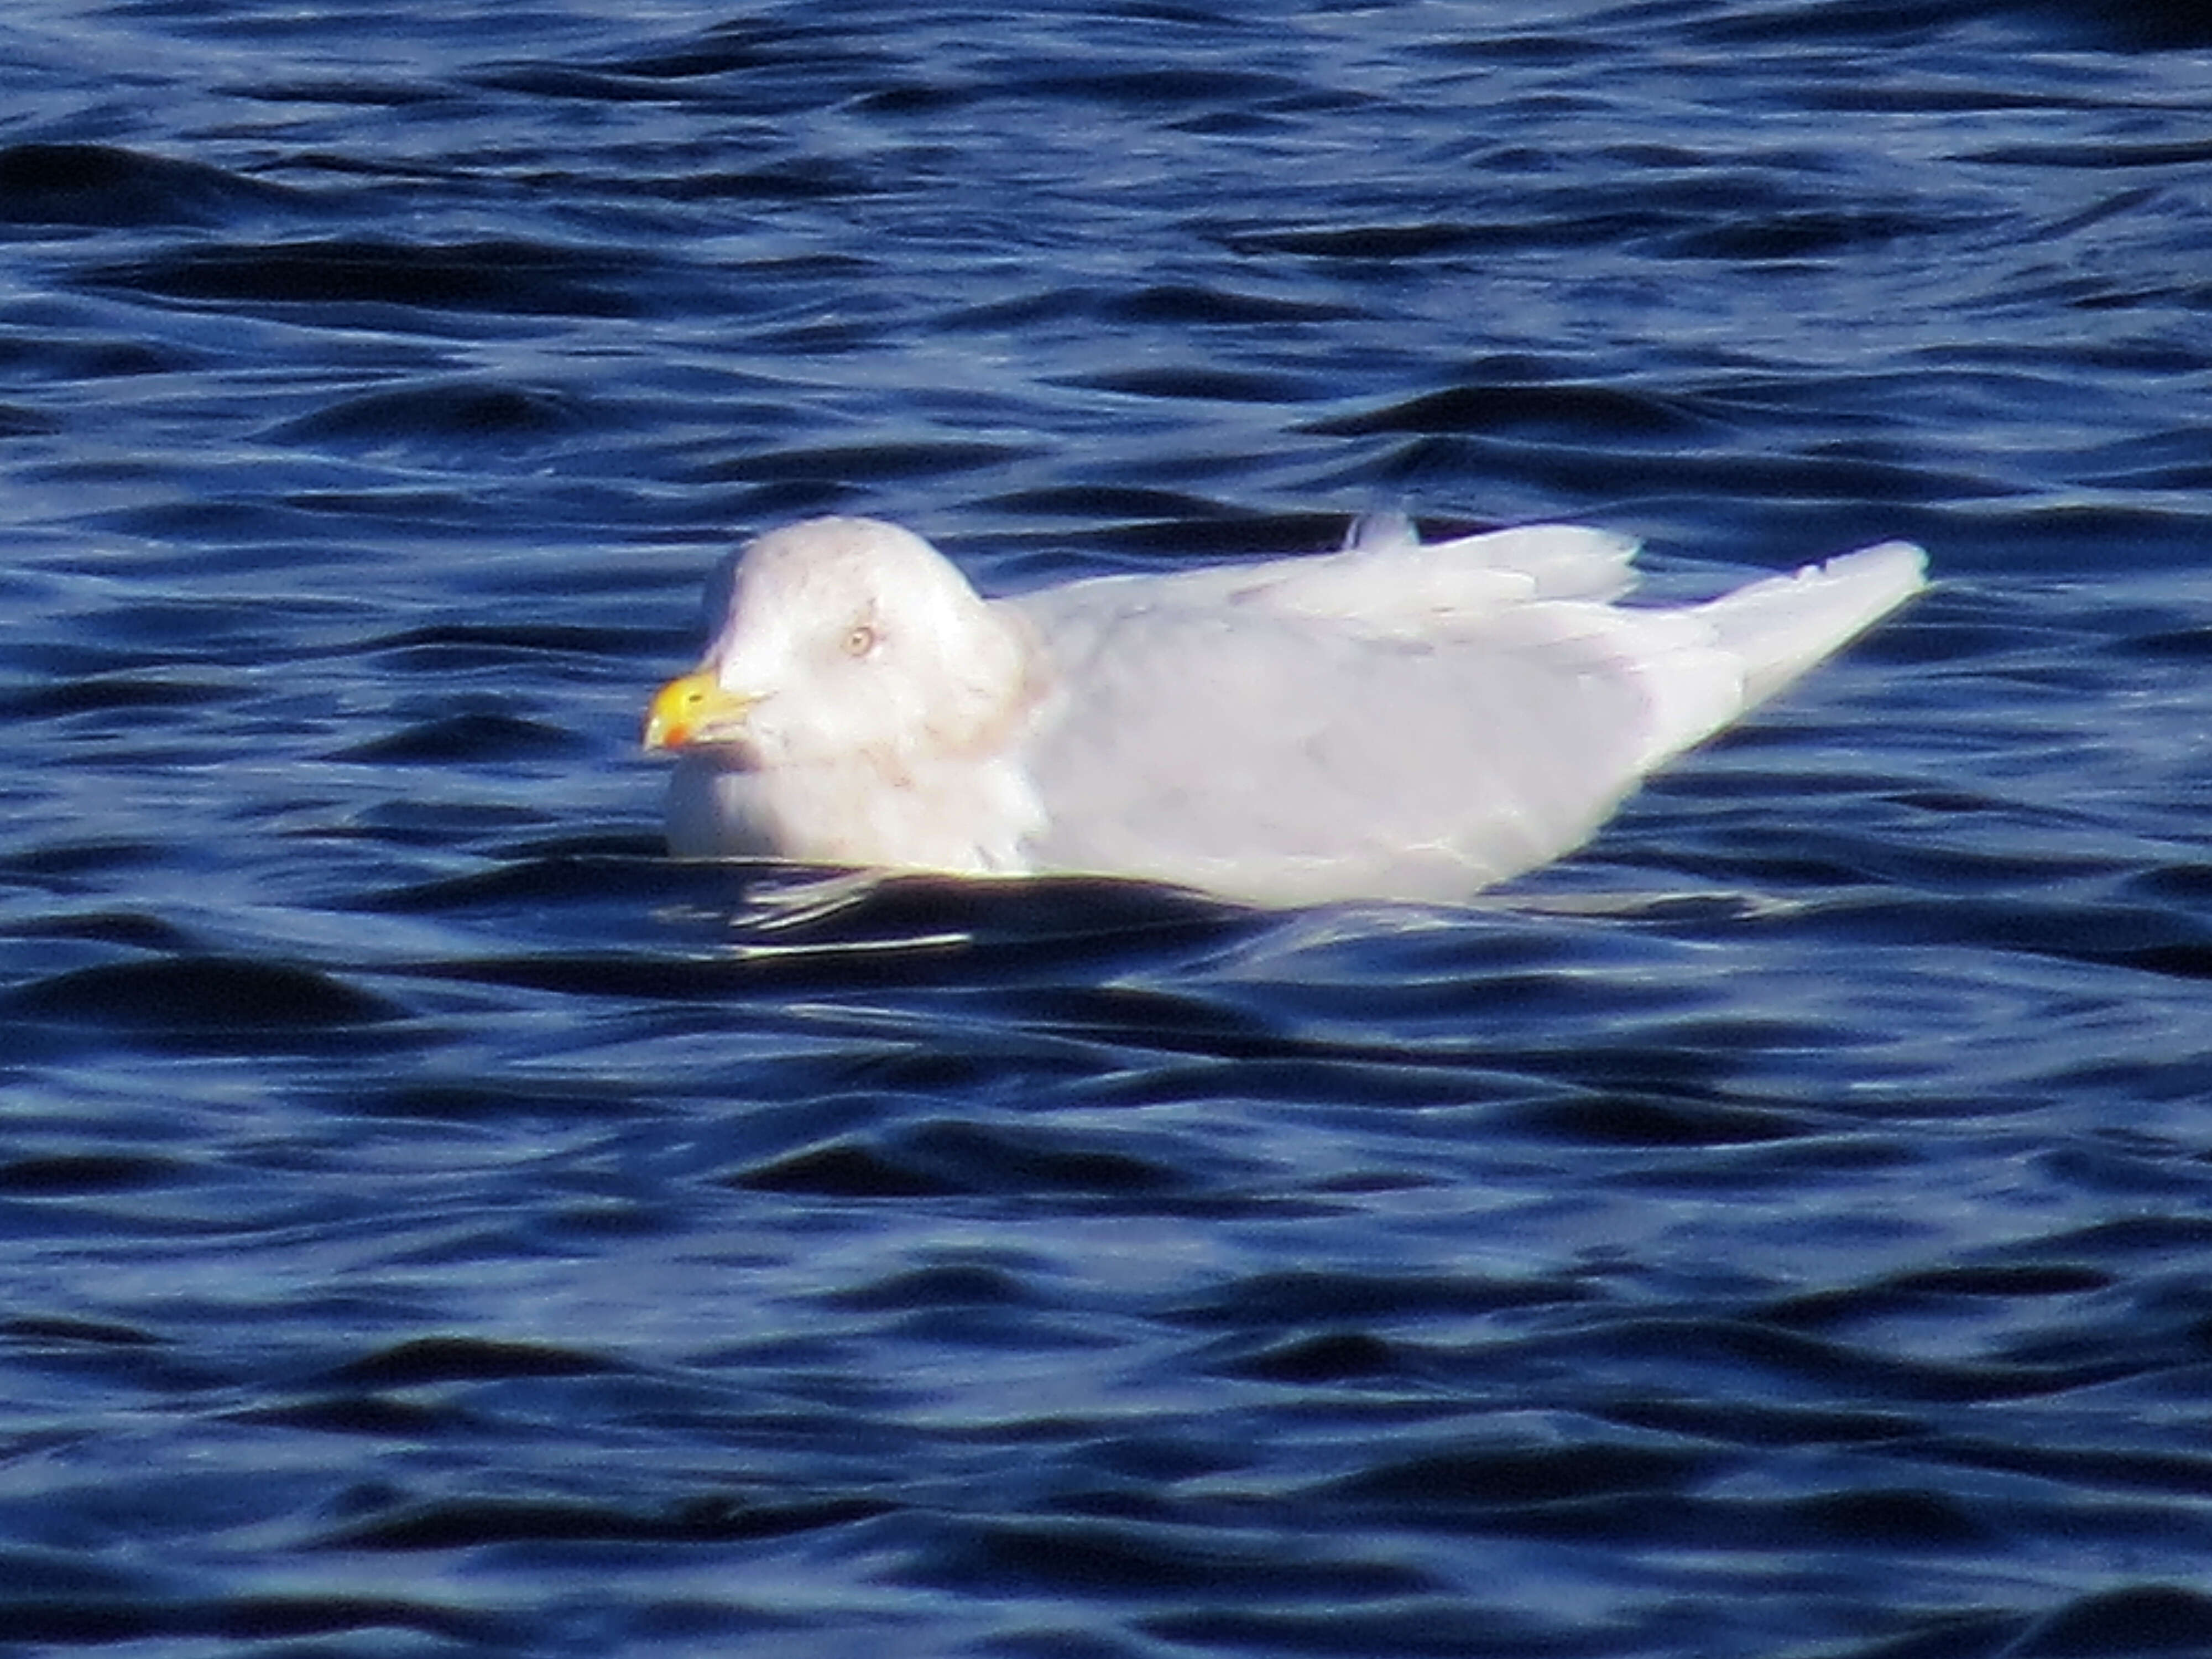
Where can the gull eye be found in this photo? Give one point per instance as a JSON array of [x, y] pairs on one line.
[[859, 640]]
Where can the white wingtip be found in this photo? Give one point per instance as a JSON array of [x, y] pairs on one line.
[[1783, 626]]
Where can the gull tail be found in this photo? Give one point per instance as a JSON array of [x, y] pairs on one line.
[[1780, 627]]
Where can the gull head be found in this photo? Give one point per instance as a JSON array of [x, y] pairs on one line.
[[847, 639]]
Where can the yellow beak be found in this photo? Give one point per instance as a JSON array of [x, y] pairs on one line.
[[695, 709]]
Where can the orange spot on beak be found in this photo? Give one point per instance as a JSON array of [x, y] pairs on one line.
[[693, 708]]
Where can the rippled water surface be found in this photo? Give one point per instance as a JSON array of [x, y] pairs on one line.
[[436, 1223]]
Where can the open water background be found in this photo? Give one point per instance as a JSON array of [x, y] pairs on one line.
[[432, 1223]]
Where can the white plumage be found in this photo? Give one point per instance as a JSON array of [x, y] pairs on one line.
[[1392, 720]]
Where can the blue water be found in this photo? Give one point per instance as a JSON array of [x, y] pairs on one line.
[[433, 1223]]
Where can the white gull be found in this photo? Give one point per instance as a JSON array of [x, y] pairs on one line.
[[1393, 720]]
